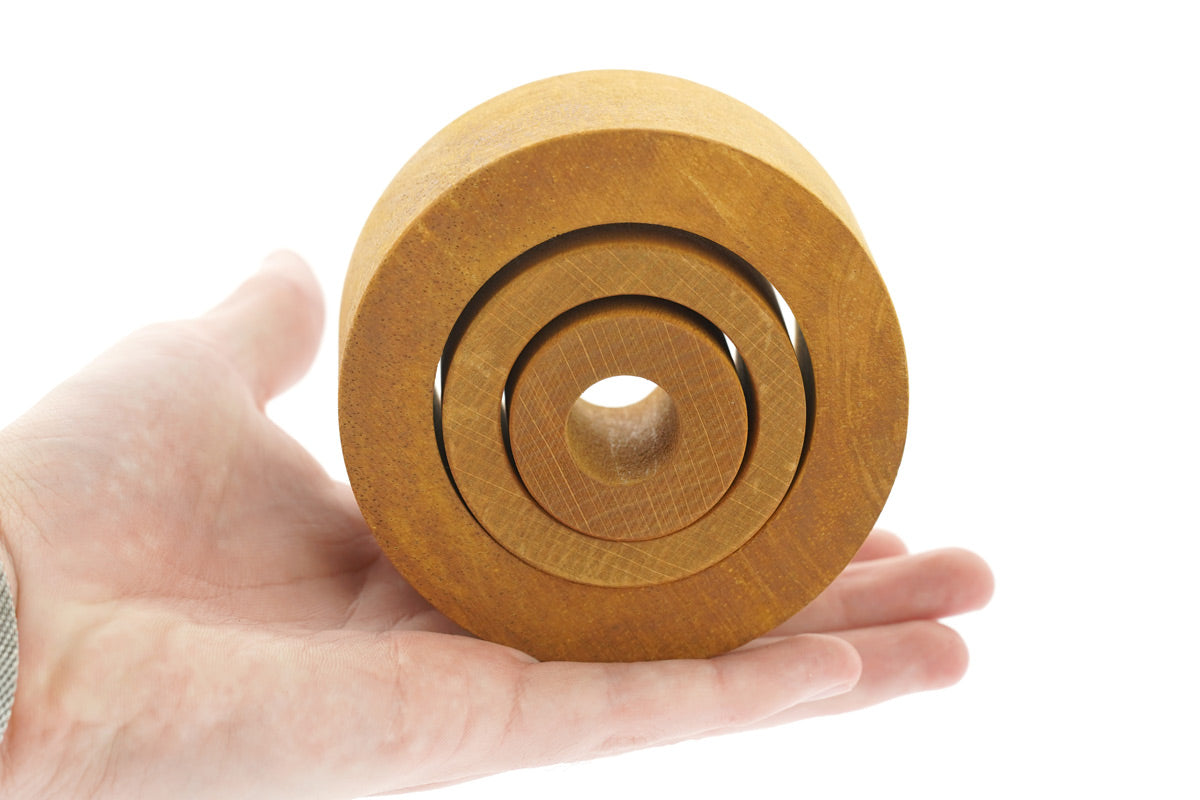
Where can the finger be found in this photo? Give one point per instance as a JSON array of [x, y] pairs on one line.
[[613, 708], [880, 544], [423, 709], [931, 585], [351, 714], [270, 326], [897, 659]]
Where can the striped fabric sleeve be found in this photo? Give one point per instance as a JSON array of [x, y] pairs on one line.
[[8, 654]]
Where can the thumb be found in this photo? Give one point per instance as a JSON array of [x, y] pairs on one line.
[[270, 326]]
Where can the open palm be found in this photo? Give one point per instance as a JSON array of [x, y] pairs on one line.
[[203, 612]]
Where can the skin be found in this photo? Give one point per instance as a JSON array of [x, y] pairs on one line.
[[203, 612]]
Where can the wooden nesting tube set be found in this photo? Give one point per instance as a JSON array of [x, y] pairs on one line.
[[618, 223]]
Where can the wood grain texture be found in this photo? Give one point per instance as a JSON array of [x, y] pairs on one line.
[[636, 472], [557, 217]]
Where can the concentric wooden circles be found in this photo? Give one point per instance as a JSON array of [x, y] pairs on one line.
[[608, 223]]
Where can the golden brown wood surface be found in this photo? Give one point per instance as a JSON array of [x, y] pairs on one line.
[[617, 223]]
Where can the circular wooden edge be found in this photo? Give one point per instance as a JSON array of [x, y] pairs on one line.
[[432, 241]]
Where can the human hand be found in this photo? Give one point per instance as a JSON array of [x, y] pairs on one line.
[[203, 612]]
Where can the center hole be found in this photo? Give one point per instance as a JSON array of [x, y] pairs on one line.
[[618, 391], [622, 429]]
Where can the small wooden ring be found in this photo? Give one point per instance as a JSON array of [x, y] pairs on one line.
[[641, 471]]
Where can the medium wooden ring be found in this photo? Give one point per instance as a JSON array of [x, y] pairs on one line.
[[525, 298]]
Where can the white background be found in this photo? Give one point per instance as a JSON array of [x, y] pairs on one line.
[[1026, 177]]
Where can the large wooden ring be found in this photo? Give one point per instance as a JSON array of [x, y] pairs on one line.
[[618, 223]]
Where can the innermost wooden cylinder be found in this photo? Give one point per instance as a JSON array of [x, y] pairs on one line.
[[636, 472]]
